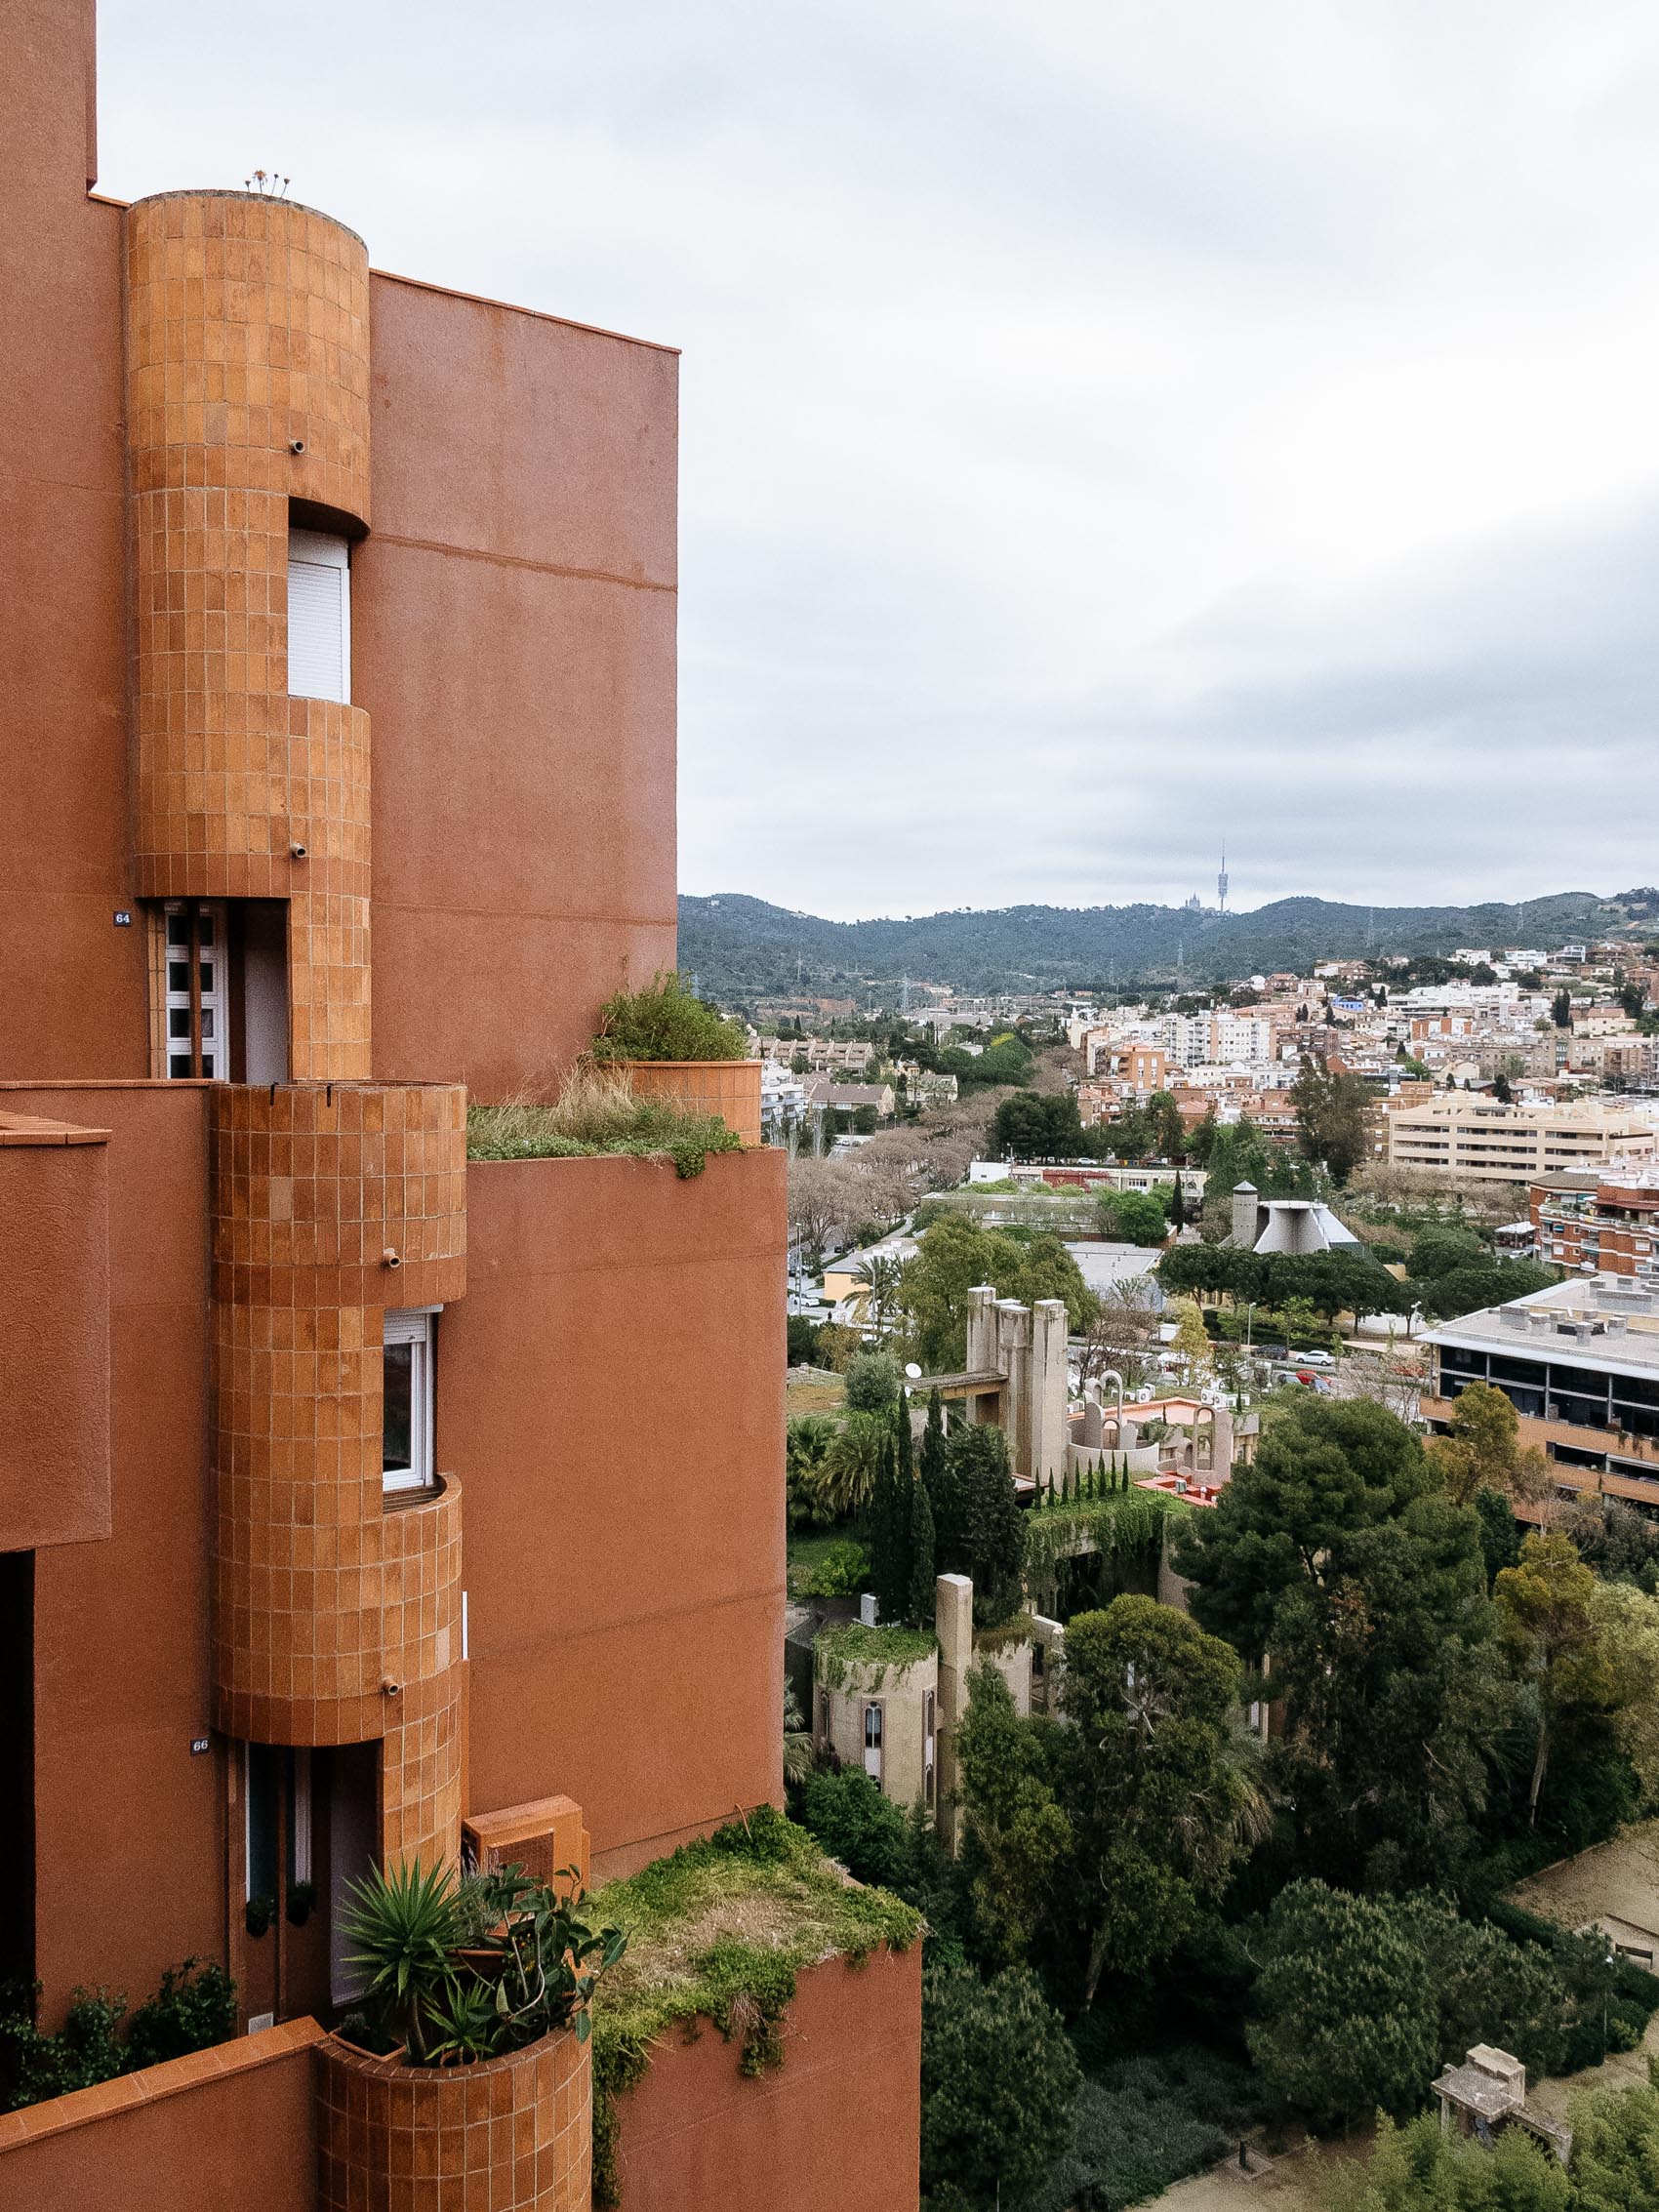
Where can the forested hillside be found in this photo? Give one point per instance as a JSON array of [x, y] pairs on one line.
[[740, 947]]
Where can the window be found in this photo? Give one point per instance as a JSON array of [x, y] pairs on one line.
[[873, 1742], [319, 616], [195, 1001], [407, 1420], [927, 1743]]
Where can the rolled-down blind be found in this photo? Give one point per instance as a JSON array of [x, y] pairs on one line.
[[319, 616]]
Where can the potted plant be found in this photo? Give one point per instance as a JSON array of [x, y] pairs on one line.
[[675, 1045], [259, 1913], [302, 1900], [488, 1974]]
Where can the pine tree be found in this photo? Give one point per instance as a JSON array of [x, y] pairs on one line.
[[920, 1606]]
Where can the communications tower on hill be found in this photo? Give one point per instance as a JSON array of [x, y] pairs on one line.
[[1221, 884]]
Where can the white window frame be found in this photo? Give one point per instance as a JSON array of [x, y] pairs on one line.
[[874, 1749], [416, 1327], [318, 551], [215, 992]]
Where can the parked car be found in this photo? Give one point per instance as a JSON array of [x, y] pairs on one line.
[[1316, 1359]]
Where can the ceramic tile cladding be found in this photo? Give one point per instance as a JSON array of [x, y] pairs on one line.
[[314, 1184], [324, 1598], [730, 1088], [247, 332], [509, 2135]]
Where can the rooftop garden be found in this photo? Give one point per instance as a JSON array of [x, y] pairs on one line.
[[719, 1930], [666, 1022], [1114, 1521], [838, 1650], [595, 1114]]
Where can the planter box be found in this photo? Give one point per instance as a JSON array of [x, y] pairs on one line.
[[509, 2135], [730, 1088]]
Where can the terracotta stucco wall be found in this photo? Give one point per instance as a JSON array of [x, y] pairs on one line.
[[122, 1809], [230, 2130], [513, 642], [64, 856], [610, 1391], [54, 1334], [835, 2125]]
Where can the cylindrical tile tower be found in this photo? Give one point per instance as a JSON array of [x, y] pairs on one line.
[[337, 1611], [248, 413]]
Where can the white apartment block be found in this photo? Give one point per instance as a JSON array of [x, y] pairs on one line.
[[1477, 1139]]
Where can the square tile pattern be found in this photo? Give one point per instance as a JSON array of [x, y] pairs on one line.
[[247, 332], [511, 2135], [324, 1596]]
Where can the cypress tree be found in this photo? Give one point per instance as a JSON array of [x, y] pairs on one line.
[[940, 1482], [886, 1556], [904, 1486], [920, 1606]]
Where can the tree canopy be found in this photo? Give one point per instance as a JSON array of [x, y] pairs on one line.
[[953, 1257], [1104, 1839]]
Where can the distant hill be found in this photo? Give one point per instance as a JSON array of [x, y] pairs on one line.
[[741, 948]]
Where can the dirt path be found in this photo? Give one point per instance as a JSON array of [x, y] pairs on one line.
[[1294, 2183]]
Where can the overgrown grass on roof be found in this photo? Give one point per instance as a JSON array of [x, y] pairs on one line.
[[721, 1928], [837, 1650], [594, 1114]]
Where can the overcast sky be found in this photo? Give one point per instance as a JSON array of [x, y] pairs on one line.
[[1108, 425]]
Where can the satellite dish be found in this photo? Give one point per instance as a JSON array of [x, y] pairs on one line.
[[912, 1371]]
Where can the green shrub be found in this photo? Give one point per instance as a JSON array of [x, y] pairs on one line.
[[666, 1022], [194, 2008], [842, 1571], [873, 1382], [86, 2049]]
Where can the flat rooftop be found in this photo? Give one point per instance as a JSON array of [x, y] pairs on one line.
[[1608, 1323]]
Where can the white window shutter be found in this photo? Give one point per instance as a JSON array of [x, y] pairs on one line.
[[319, 616]]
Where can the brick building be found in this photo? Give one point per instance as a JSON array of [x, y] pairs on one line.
[[339, 791]]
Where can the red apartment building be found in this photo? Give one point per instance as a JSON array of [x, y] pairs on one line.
[[338, 1505], [1606, 1226]]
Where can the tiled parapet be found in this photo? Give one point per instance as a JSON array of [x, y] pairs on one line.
[[509, 2135], [247, 338], [730, 1088], [316, 1184], [336, 1613]]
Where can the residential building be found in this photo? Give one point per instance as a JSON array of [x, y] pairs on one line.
[[339, 776], [783, 1102], [823, 1096], [1477, 1139], [1603, 1225], [1580, 1364]]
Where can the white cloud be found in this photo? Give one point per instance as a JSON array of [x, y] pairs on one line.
[[1106, 424]]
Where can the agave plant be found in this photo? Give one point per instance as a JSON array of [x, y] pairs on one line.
[[406, 1925], [462, 1970]]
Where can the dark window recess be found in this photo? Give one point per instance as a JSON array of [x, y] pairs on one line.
[[1531, 1372], [399, 1362], [264, 1802], [1455, 1360], [17, 1766]]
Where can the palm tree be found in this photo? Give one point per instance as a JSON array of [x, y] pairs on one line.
[[797, 1740], [881, 1274]]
